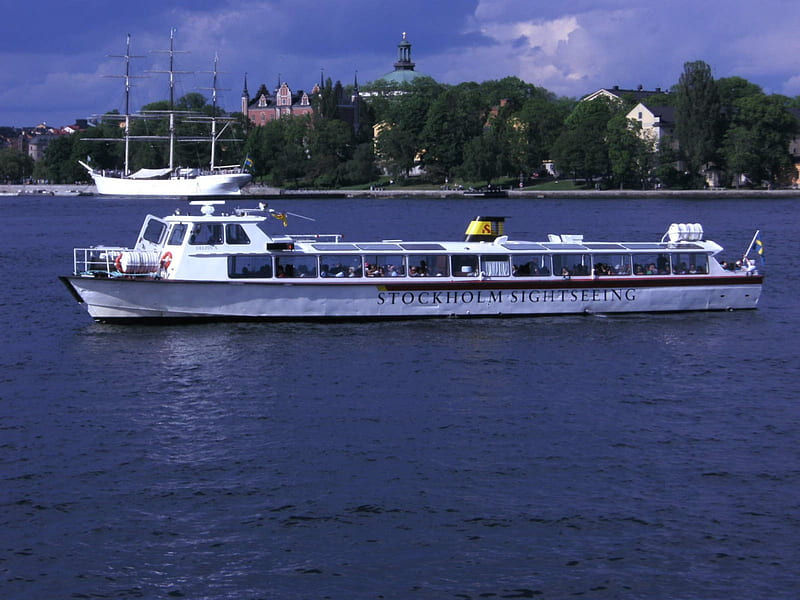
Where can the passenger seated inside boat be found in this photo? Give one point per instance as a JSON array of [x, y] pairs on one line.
[[206, 234]]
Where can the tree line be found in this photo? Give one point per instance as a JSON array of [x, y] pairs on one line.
[[490, 132]]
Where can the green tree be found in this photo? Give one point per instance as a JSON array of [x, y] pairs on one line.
[[541, 120], [325, 104], [361, 168], [485, 157], [757, 142], [397, 150], [732, 89], [15, 166], [455, 117], [698, 117], [582, 148], [330, 144], [60, 161], [402, 114], [632, 157]]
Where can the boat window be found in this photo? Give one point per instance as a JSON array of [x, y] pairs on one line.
[[259, 265], [464, 265], [340, 265], [334, 246], [372, 246], [421, 246], [428, 265], [384, 265], [235, 234], [655, 246], [690, 263], [295, 266], [495, 266], [523, 246], [651, 264], [612, 264], [204, 234], [154, 231], [177, 234], [572, 265], [531, 265]]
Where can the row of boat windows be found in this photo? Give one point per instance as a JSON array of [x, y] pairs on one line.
[[208, 234], [202, 234], [466, 265]]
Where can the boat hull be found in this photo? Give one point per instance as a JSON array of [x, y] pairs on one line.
[[121, 299], [223, 184]]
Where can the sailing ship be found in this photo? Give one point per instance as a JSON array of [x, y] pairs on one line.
[[171, 180]]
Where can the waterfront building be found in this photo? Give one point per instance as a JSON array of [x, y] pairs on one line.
[[619, 94], [268, 106], [657, 122]]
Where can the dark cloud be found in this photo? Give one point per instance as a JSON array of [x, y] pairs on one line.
[[51, 68]]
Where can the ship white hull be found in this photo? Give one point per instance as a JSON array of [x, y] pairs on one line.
[[110, 299], [223, 184]]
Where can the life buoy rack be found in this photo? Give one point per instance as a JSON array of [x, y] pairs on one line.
[[166, 260]]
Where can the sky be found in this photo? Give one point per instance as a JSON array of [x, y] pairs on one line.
[[57, 59]]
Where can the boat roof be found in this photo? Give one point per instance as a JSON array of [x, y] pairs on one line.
[[328, 243]]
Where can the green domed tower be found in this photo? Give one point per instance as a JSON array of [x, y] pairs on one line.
[[404, 67]]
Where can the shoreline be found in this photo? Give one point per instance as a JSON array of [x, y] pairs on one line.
[[258, 191]]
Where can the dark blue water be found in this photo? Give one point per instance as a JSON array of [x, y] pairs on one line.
[[638, 456]]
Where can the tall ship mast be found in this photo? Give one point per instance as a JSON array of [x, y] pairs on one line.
[[170, 180]]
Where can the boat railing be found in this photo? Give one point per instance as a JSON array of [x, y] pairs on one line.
[[115, 261], [93, 261]]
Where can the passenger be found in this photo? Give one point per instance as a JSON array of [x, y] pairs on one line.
[[351, 272], [651, 269], [565, 272], [413, 272], [423, 269]]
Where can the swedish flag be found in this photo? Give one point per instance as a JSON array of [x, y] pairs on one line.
[[759, 246], [281, 217], [248, 162]]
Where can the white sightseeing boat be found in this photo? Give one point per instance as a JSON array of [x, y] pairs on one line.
[[213, 180], [235, 266]]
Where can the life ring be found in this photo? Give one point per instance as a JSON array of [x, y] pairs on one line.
[[118, 262], [166, 260]]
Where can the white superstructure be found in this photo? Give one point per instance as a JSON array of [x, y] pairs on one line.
[[235, 265]]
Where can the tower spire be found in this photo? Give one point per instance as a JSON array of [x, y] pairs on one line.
[[245, 97], [404, 62]]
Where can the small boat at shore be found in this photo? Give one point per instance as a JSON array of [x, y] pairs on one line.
[[235, 265]]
